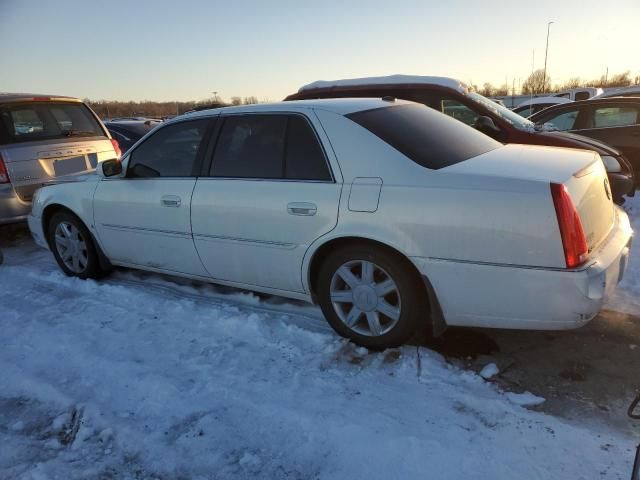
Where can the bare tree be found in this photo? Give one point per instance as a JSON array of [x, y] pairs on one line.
[[236, 101], [536, 83], [573, 82], [250, 100], [502, 91], [487, 90]]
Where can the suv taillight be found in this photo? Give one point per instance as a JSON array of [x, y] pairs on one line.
[[116, 147], [4, 174], [576, 250]]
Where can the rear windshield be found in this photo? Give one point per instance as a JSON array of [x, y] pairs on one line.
[[427, 137], [29, 121]]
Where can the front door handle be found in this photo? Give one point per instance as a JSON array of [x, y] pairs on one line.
[[170, 201], [302, 208]]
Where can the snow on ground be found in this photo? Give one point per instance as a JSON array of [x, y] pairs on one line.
[[627, 297], [141, 377]]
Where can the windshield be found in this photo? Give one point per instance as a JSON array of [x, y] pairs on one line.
[[503, 112]]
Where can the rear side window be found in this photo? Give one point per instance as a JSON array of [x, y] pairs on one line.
[[269, 146], [427, 137], [615, 116], [170, 152], [304, 159], [30, 121]]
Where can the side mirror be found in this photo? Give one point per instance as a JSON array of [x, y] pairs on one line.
[[109, 168], [486, 125]]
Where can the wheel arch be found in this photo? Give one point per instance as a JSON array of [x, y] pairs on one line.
[[318, 256], [49, 211], [47, 214], [321, 251]]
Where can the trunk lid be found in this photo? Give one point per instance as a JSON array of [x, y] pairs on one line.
[[33, 164], [582, 172]]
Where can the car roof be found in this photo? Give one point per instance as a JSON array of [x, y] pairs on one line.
[[635, 101], [620, 91], [385, 80], [6, 97], [342, 106], [597, 101], [539, 100], [126, 123]]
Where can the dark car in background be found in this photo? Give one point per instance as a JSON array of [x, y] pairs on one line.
[[615, 121], [128, 132], [454, 98]]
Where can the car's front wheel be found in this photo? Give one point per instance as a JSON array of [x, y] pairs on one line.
[[72, 246], [371, 296]]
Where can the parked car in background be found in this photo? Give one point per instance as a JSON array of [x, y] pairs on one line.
[[45, 138], [573, 94], [615, 121], [536, 104], [454, 98], [128, 132], [632, 91], [579, 93], [390, 215]]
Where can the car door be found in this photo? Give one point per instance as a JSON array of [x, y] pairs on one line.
[[617, 124], [144, 218], [268, 195]]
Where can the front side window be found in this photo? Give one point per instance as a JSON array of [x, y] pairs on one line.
[[615, 116], [525, 112], [31, 121], [425, 136], [269, 146], [170, 152], [459, 111], [564, 121]]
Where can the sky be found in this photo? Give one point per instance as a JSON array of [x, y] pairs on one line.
[[186, 49]]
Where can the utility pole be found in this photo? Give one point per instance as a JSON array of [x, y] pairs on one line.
[[546, 51]]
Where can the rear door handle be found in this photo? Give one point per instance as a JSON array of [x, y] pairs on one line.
[[170, 201], [302, 208]]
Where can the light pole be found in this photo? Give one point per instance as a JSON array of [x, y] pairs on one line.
[[546, 51]]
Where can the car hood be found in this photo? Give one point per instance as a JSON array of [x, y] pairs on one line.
[[582, 142]]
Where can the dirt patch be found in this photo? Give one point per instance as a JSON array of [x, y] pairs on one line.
[[588, 374]]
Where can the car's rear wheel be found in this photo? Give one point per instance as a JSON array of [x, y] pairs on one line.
[[371, 296], [72, 246]]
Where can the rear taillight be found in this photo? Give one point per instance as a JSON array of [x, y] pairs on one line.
[[116, 147], [576, 250], [4, 174]]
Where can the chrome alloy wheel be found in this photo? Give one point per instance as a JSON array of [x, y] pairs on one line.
[[71, 247], [365, 298]]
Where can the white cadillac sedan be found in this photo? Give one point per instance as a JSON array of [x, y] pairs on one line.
[[391, 216]]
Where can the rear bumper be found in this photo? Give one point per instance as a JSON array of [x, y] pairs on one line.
[[37, 232], [502, 296], [12, 209]]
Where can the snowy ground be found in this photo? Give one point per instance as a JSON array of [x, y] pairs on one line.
[[139, 376]]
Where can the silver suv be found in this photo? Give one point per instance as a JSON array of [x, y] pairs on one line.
[[45, 139]]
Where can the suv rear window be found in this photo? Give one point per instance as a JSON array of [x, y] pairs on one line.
[[29, 121], [427, 137]]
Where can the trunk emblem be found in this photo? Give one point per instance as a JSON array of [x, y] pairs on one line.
[[606, 188]]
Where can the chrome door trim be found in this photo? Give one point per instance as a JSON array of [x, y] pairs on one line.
[[264, 243], [149, 231]]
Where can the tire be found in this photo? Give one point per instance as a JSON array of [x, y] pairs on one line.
[[70, 228], [399, 311]]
